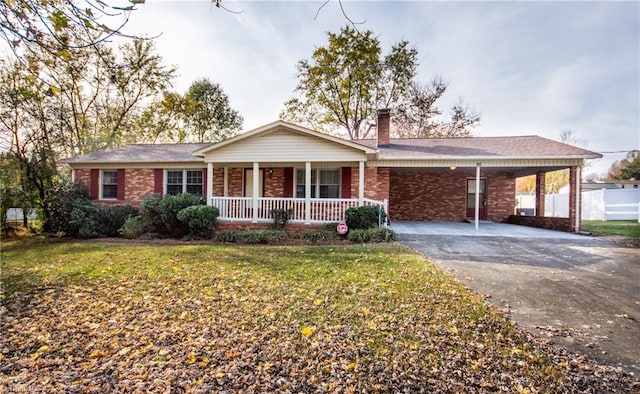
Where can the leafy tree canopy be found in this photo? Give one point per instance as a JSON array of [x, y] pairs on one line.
[[344, 82], [58, 26], [627, 168], [202, 114], [208, 113]]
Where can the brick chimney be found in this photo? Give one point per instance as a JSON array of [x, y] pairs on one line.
[[383, 126]]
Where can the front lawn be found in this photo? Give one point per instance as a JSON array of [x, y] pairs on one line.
[[627, 228], [130, 317]]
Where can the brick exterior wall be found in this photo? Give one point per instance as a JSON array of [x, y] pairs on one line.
[[139, 183], [421, 194], [218, 181], [376, 182], [573, 192], [540, 192], [83, 175], [550, 223], [274, 183], [236, 182]]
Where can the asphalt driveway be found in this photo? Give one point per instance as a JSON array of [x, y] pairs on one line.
[[581, 292]]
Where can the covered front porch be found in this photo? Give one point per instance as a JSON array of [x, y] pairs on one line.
[[315, 176], [306, 211], [313, 193]]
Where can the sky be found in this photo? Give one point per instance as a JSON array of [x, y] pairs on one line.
[[538, 67]]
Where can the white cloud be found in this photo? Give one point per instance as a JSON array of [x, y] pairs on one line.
[[529, 68]]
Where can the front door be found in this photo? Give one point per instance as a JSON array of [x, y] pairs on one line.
[[248, 183], [471, 199]]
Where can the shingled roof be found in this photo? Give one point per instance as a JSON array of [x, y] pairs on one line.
[[142, 153], [515, 147], [520, 147]]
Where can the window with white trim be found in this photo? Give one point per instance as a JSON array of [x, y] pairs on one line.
[[325, 183], [184, 181], [109, 184]]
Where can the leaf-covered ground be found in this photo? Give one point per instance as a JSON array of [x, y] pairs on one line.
[[98, 317]]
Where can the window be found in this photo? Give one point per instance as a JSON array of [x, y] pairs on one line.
[[184, 181], [300, 183], [324, 183], [109, 184], [194, 181], [329, 183]]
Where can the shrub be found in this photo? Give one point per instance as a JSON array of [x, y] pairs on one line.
[[160, 215], [74, 214], [280, 217], [359, 235], [364, 217], [251, 236], [384, 234], [84, 220], [63, 199], [111, 219], [169, 207], [151, 213], [372, 235], [200, 219], [228, 236], [133, 227], [260, 236], [315, 236]]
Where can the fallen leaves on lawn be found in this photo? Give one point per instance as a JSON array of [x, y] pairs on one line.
[[286, 319]]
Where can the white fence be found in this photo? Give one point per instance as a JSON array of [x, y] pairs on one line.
[[611, 204], [604, 204]]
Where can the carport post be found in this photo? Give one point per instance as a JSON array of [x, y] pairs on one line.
[[477, 216], [578, 195]]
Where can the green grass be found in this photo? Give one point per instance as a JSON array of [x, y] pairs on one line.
[[93, 316], [627, 228]]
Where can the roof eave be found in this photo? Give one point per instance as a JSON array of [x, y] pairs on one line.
[[485, 158]]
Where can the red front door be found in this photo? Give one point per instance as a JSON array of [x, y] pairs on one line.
[[471, 199]]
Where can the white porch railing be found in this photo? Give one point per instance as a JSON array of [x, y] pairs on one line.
[[322, 210]]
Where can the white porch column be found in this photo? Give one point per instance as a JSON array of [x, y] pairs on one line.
[[578, 195], [477, 213], [256, 186], [226, 182], [361, 183], [307, 193], [209, 183]]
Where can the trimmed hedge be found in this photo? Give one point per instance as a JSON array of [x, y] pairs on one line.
[[160, 215], [364, 217], [372, 235], [251, 236], [200, 219]]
